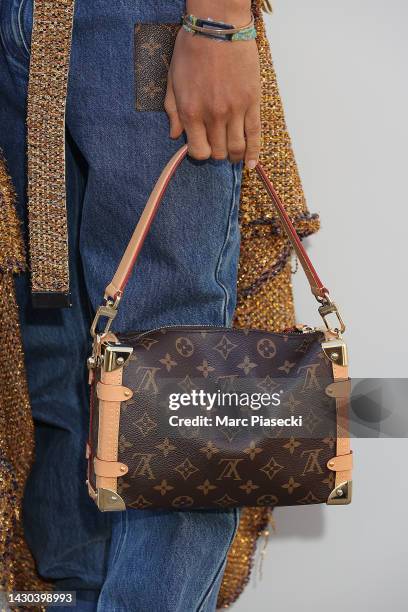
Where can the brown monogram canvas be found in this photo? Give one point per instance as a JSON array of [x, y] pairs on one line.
[[193, 467]]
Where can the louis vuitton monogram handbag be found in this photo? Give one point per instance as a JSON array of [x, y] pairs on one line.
[[189, 417]]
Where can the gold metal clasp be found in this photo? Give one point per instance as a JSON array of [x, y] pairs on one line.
[[328, 308], [267, 6], [108, 310]]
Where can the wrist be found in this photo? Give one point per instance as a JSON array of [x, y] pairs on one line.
[[235, 12]]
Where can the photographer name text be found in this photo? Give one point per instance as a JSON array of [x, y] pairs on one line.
[[225, 421]]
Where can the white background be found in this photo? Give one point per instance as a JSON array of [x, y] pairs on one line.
[[342, 70]]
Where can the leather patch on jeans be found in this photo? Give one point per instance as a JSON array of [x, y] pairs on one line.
[[154, 43]]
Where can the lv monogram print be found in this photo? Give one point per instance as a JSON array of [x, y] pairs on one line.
[[154, 43], [220, 467]]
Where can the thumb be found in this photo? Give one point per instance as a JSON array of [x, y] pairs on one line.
[[170, 106]]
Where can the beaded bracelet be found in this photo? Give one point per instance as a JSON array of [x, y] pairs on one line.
[[218, 29]]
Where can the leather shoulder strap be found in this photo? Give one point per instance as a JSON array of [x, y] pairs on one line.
[[117, 285]]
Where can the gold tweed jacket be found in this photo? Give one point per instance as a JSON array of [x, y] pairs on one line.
[[265, 297]]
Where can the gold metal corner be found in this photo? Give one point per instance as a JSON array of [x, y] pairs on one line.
[[341, 495], [336, 351], [109, 501], [115, 355]]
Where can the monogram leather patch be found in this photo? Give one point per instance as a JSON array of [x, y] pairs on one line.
[[154, 43], [204, 467]]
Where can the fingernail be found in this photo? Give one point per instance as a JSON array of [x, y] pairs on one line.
[[251, 164]]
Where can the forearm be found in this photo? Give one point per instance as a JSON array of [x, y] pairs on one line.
[[236, 12]]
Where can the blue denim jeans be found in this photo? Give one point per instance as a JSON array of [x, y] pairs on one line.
[[139, 559]]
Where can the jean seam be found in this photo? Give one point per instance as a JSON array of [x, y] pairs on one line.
[[88, 542], [21, 28], [119, 547], [14, 45], [226, 241], [207, 593], [124, 527]]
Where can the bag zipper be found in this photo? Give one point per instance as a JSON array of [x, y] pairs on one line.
[[297, 329]]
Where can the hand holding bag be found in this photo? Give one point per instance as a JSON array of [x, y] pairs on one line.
[[147, 449]]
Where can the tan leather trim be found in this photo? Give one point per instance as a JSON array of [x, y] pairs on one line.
[[108, 432], [339, 388], [91, 492], [113, 393], [341, 463], [118, 283], [340, 372], [87, 451], [136, 242], [112, 290], [109, 469], [343, 439]]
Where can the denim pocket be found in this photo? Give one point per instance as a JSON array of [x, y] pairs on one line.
[[154, 43], [16, 18]]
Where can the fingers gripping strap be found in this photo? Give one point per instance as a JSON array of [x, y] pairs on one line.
[[118, 283]]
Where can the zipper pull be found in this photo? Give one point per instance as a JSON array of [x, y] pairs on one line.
[[305, 329]]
